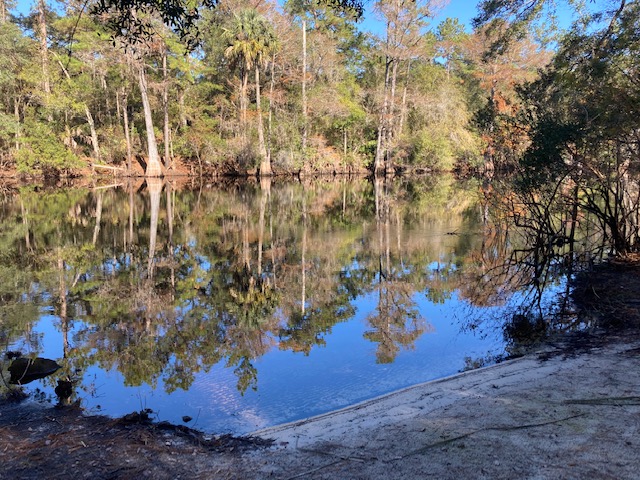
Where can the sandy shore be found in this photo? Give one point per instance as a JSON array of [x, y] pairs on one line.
[[570, 412]]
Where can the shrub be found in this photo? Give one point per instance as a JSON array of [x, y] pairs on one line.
[[41, 151]]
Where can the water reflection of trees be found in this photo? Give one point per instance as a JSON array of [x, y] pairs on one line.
[[396, 321], [539, 231], [163, 286]]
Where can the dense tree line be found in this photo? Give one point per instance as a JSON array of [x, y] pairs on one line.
[[263, 89]]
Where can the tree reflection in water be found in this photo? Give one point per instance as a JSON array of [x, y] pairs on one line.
[[396, 322], [165, 287]]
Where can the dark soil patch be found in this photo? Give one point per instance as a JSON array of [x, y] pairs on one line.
[[38, 442], [608, 295]]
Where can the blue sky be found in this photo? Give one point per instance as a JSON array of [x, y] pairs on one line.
[[464, 10]]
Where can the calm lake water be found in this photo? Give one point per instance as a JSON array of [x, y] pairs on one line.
[[249, 305]]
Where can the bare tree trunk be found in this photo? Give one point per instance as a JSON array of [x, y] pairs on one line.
[[154, 167], [304, 86], [127, 135], [378, 166], [403, 106], [165, 110], [94, 133], [16, 114], [391, 133], [3, 11], [344, 141], [271, 86], [44, 49], [265, 162], [243, 103], [183, 114]]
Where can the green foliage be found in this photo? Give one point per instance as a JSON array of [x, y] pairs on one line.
[[42, 151], [431, 150], [9, 127]]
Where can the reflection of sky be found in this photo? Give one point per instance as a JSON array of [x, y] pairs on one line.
[[291, 385]]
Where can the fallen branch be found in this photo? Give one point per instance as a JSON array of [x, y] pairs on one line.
[[615, 401], [329, 454], [104, 187], [499, 429], [108, 167], [309, 472]]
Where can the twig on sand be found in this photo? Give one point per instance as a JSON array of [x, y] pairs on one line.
[[329, 454], [500, 429], [339, 458], [317, 469], [615, 401]]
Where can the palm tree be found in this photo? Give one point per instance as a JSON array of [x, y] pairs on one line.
[[250, 40]]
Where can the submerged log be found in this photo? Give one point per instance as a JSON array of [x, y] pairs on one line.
[[24, 370]]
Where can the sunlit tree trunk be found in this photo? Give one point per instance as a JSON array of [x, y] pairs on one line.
[[44, 49], [269, 124], [390, 134], [403, 105], [265, 161], [16, 114], [3, 11], [125, 126], [378, 166], [304, 87], [94, 133], [165, 111], [183, 113], [344, 141], [154, 166], [244, 82]]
